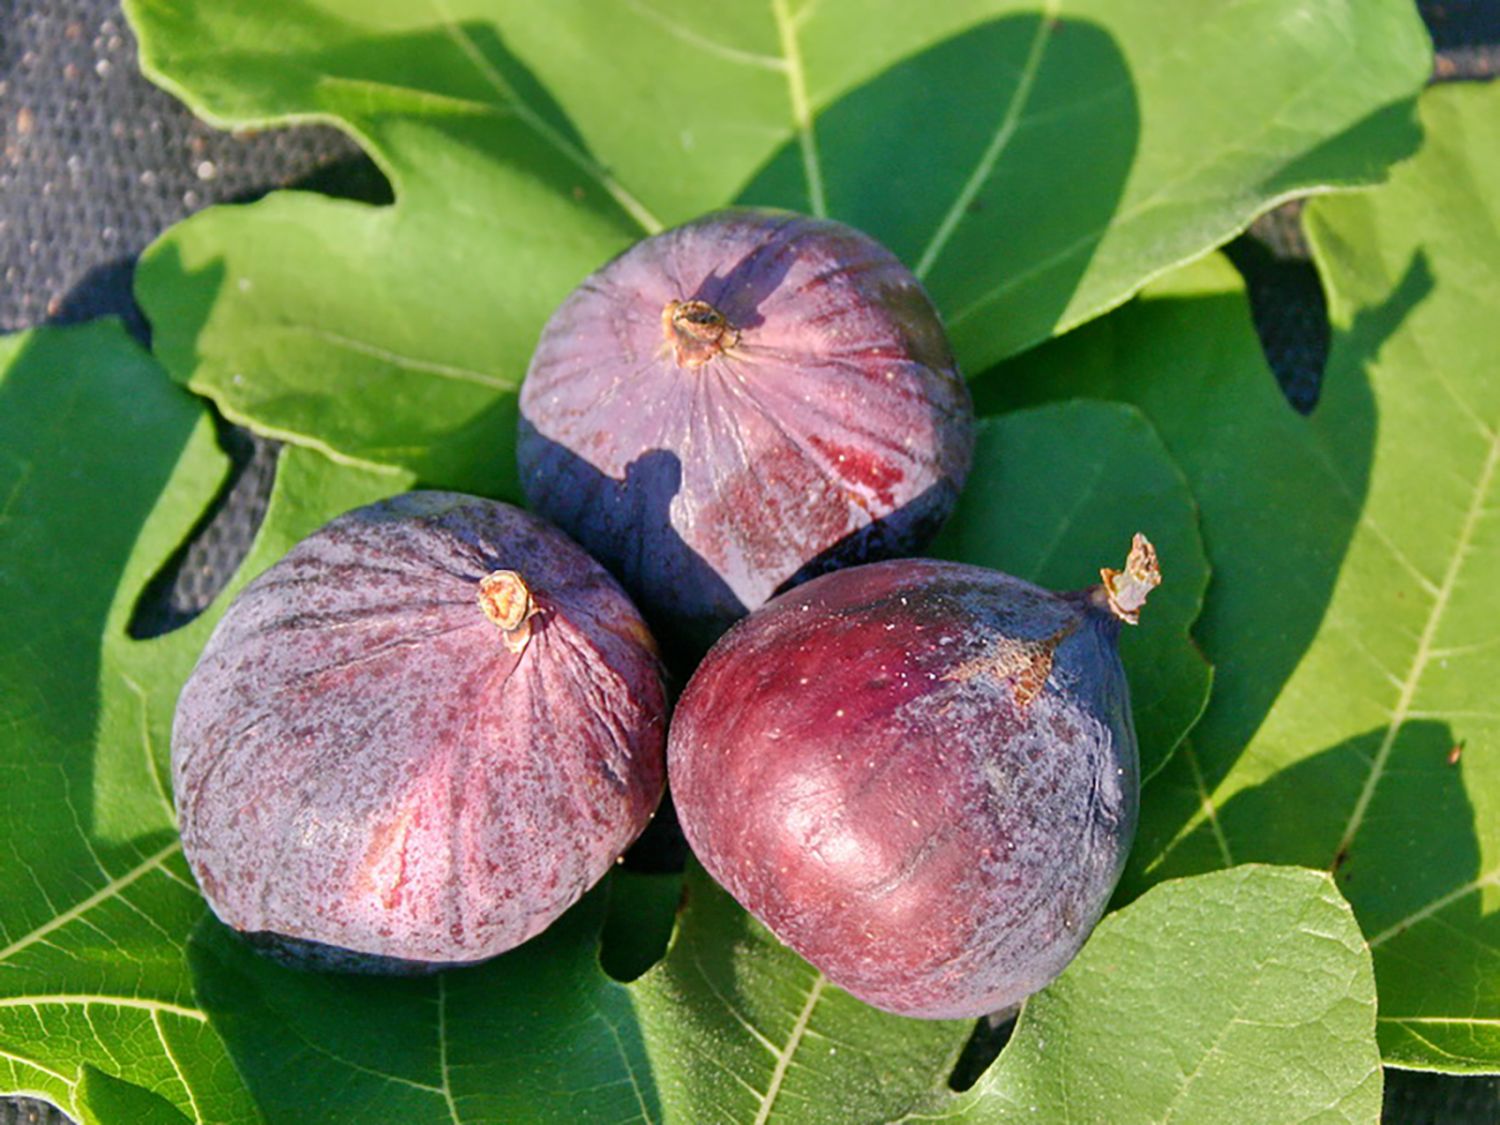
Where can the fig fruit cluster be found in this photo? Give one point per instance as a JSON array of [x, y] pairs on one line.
[[421, 736]]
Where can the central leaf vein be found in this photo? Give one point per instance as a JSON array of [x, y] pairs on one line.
[[1009, 122], [442, 1037], [1425, 643], [103, 894], [796, 80], [794, 1040]]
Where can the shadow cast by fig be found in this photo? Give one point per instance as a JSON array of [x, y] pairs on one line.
[[951, 159]]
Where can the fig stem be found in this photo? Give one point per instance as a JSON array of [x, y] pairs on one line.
[[507, 601], [1125, 591], [697, 332]]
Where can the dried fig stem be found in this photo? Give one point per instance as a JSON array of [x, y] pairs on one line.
[[507, 601], [1125, 591], [697, 332]]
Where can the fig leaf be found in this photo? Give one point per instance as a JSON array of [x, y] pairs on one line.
[[106, 466], [1032, 509], [1034, 166], [1242, 995], [1352, 612]]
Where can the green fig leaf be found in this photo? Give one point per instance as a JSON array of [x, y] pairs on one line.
[[1242, 995], [105, 467], [1352, 613], [1057, 519], [95, 901], [1035, 166]]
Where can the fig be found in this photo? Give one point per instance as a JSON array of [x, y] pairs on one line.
[[920, 775], [738, 404], [418, 738]]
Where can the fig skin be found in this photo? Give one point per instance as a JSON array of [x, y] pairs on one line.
[[738, 404], [417, 739], [922, 776]]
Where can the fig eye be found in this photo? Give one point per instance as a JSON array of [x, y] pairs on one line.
[[507, 602], [697, 332]]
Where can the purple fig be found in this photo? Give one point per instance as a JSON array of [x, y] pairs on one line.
[[738, 404], [418, 738], [919, 775]]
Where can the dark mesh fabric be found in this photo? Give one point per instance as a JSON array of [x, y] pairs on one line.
[[95, 163]]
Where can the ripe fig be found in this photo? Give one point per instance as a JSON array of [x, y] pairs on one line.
[[919, 775], [738, 404], [418, 738]]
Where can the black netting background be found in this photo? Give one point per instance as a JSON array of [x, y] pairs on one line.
[[95, 163]]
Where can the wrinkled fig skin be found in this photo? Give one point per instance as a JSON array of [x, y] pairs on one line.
[[369, 777], [807, 414], [920, 775]]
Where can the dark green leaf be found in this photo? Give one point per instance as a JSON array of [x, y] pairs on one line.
[[105, 1100], [746, 1031], [731, 1027], [121, 998]]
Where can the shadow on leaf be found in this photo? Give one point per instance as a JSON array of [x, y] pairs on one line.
[[538, 1034], [938, 156]]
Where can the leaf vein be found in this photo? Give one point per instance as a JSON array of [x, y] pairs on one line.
[[703, 42], [166, 1047], [442, 1036], [83, 1000], [784, 1057], [1442, 902], [397, 359], [32, 1064], [586, 164], [1425, 645], [1009, 122], [104, 893], [796, 80]]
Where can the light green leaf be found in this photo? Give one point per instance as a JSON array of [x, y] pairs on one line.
[[105, 467], [1411, 273], [1352, 613], [1245, 995], [1034, 164], [94, 899], [1055, 494]]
